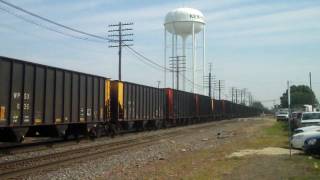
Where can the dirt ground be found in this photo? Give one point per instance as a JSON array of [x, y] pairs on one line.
[[257, 149]]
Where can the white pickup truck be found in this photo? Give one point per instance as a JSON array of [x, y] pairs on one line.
[[282, 115]]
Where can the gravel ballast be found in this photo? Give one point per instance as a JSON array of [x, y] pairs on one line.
[[115, 166]]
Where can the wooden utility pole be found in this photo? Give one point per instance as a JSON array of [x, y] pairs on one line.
[[219, 89], [119, 40], [310, 83], [177, 65], [210, 79], [232, 94], [158, 84], [236, 96], [244, 96]]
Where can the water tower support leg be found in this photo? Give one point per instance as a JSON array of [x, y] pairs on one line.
[[172, 56], [184, 61], [204, 57], [165, 59], [193, 59], [177, 63]]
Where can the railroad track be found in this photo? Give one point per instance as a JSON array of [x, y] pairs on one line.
[[33, 146], [44, 145], [20, 168], [41, 146]]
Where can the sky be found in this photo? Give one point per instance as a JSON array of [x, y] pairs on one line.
[[254, 44]]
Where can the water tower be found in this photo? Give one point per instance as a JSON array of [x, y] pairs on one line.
[[183, 22]]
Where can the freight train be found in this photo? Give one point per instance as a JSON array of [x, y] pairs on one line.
[[39, 100]]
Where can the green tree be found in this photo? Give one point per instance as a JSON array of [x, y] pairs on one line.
[[257, 105], [300, 95], [260, 106]]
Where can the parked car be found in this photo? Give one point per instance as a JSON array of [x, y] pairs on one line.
[[310, 118], [312, 145], [307, 128], [297, 140], [282, 116]]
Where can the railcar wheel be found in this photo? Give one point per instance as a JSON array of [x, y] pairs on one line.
[[130, 126], [145, 125], [100, 131], [112, 130], [157, 124], [93, 133], [165, 124], [76, 136]]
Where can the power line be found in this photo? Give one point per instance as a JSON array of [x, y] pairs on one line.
[[46, 27], [146, 58], [77, 31], [28, 34], [138, 54], [50, 21], [146, 62], [158, 65]]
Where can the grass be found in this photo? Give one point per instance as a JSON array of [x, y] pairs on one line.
[[277, 129], [276, 135], [213, 164]]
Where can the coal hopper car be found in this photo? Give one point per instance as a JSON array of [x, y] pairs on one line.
[[181, 107], [136, 107], [41, 100]]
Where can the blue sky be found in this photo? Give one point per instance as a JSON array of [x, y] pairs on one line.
[[253, 44]]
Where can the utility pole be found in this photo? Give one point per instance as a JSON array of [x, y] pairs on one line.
[[289, 109], [249, 98], [252, 99], [213, 86], [172, 65], [218, 86], [236, 96], [210, 79], [232, 94], [310, 83], [241, 100], [289, 96], [158, 84], [119, 40], [178, 65], [219, 89], [244, 96]]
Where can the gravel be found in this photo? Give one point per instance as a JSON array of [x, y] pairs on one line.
[[84, 143]]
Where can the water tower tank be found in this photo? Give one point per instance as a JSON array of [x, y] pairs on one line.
[[179, 21], [182, 22]]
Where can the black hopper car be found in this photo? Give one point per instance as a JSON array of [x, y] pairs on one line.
[[39, 100]]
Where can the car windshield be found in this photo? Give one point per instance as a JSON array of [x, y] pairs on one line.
[[311, 116], [283, 112]]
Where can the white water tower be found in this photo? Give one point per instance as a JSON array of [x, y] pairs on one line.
[[183, 22]]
